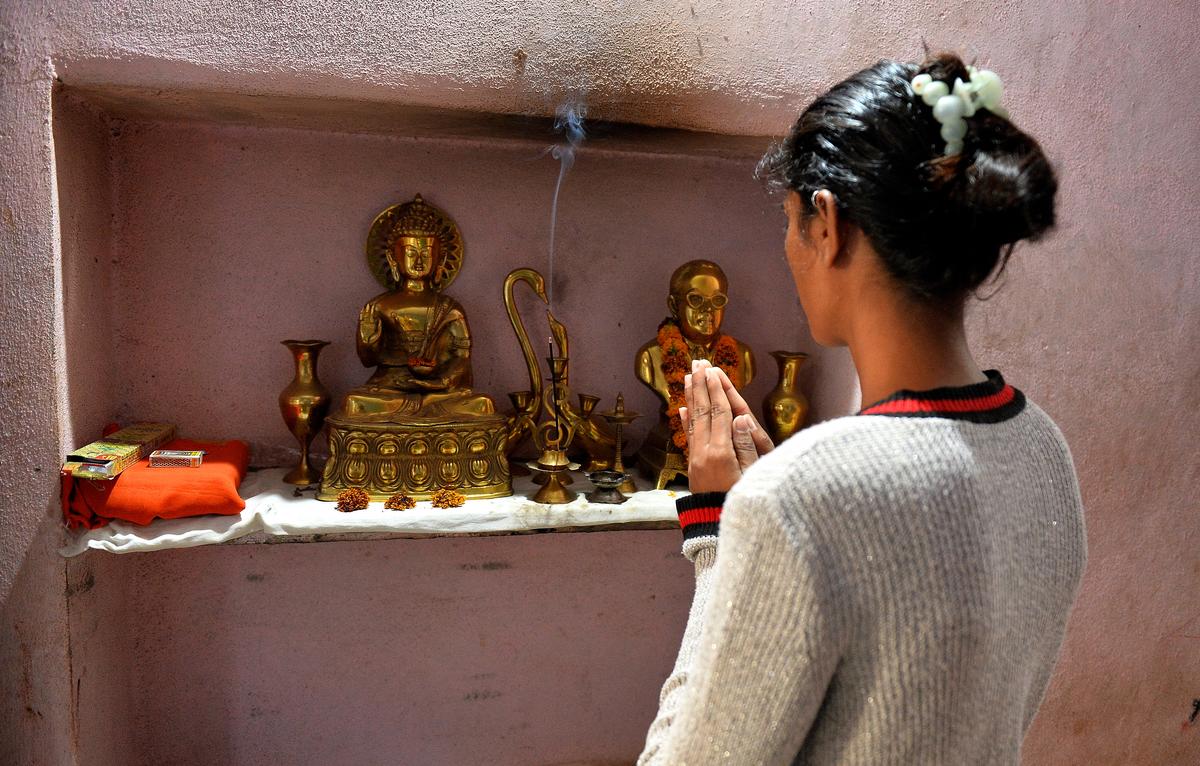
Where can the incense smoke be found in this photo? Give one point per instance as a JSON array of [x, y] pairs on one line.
[[568, 120]]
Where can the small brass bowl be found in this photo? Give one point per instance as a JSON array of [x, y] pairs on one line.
[[606, 487]]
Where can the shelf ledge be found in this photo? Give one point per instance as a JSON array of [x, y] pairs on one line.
[[274, 515]]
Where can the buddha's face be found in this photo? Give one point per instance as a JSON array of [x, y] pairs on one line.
[[415, 257], [698, 304]]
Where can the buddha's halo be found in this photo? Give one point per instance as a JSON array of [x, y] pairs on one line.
[[568, 120]]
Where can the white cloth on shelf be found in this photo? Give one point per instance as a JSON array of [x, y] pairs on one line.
[[273, 511]]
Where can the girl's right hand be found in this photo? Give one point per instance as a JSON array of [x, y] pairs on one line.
[[724, 439], [752, 442]]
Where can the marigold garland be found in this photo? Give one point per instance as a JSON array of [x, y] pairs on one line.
[[677, 362]]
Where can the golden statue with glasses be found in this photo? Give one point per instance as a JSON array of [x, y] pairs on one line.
[[699, 293]]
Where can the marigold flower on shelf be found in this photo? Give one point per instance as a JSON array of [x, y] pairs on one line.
[[447, 498], [353, 499], [399, 503]]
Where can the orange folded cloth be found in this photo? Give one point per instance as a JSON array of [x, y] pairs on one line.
[[142, 494]]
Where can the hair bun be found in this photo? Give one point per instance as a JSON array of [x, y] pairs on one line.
[[1001, 187]]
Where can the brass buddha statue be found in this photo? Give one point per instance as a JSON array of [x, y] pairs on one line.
[[416, 338], [416, 425], [699, 293]]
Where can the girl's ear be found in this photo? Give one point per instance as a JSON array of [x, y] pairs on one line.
[[823, 229]]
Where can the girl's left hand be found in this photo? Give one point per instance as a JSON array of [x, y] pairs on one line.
[[720, 446]]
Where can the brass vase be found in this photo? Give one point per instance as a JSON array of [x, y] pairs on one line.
[[785, 410], [304, 405]]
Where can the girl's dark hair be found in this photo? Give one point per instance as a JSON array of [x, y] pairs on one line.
[[941, 224]]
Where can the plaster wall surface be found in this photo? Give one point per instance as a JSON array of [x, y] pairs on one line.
[[502, 650], [1097, 324]]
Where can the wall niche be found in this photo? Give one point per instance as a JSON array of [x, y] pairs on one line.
[[199, 229]]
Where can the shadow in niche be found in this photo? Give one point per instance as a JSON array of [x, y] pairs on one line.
[[40, 711], [84, 140], [107, 722]]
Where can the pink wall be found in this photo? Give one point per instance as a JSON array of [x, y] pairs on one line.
[[1097, 324], [502, 650]]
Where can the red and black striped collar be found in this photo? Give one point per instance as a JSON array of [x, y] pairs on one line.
[[992, 401]]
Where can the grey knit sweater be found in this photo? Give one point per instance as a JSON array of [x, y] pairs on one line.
[[891, 588]]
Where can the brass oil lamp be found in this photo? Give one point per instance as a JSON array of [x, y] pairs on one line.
[[618, 417]]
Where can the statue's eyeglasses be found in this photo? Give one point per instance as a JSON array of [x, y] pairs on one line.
[[716, 302]]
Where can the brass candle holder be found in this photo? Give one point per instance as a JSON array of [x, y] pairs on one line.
[[523, 421], [553, 438], [618, 417], [553, 465], [587, 404], [558, 373]]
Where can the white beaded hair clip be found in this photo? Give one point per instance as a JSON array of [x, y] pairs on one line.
[[951, 107]]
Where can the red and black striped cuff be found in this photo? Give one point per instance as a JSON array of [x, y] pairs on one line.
[[700, 514]]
